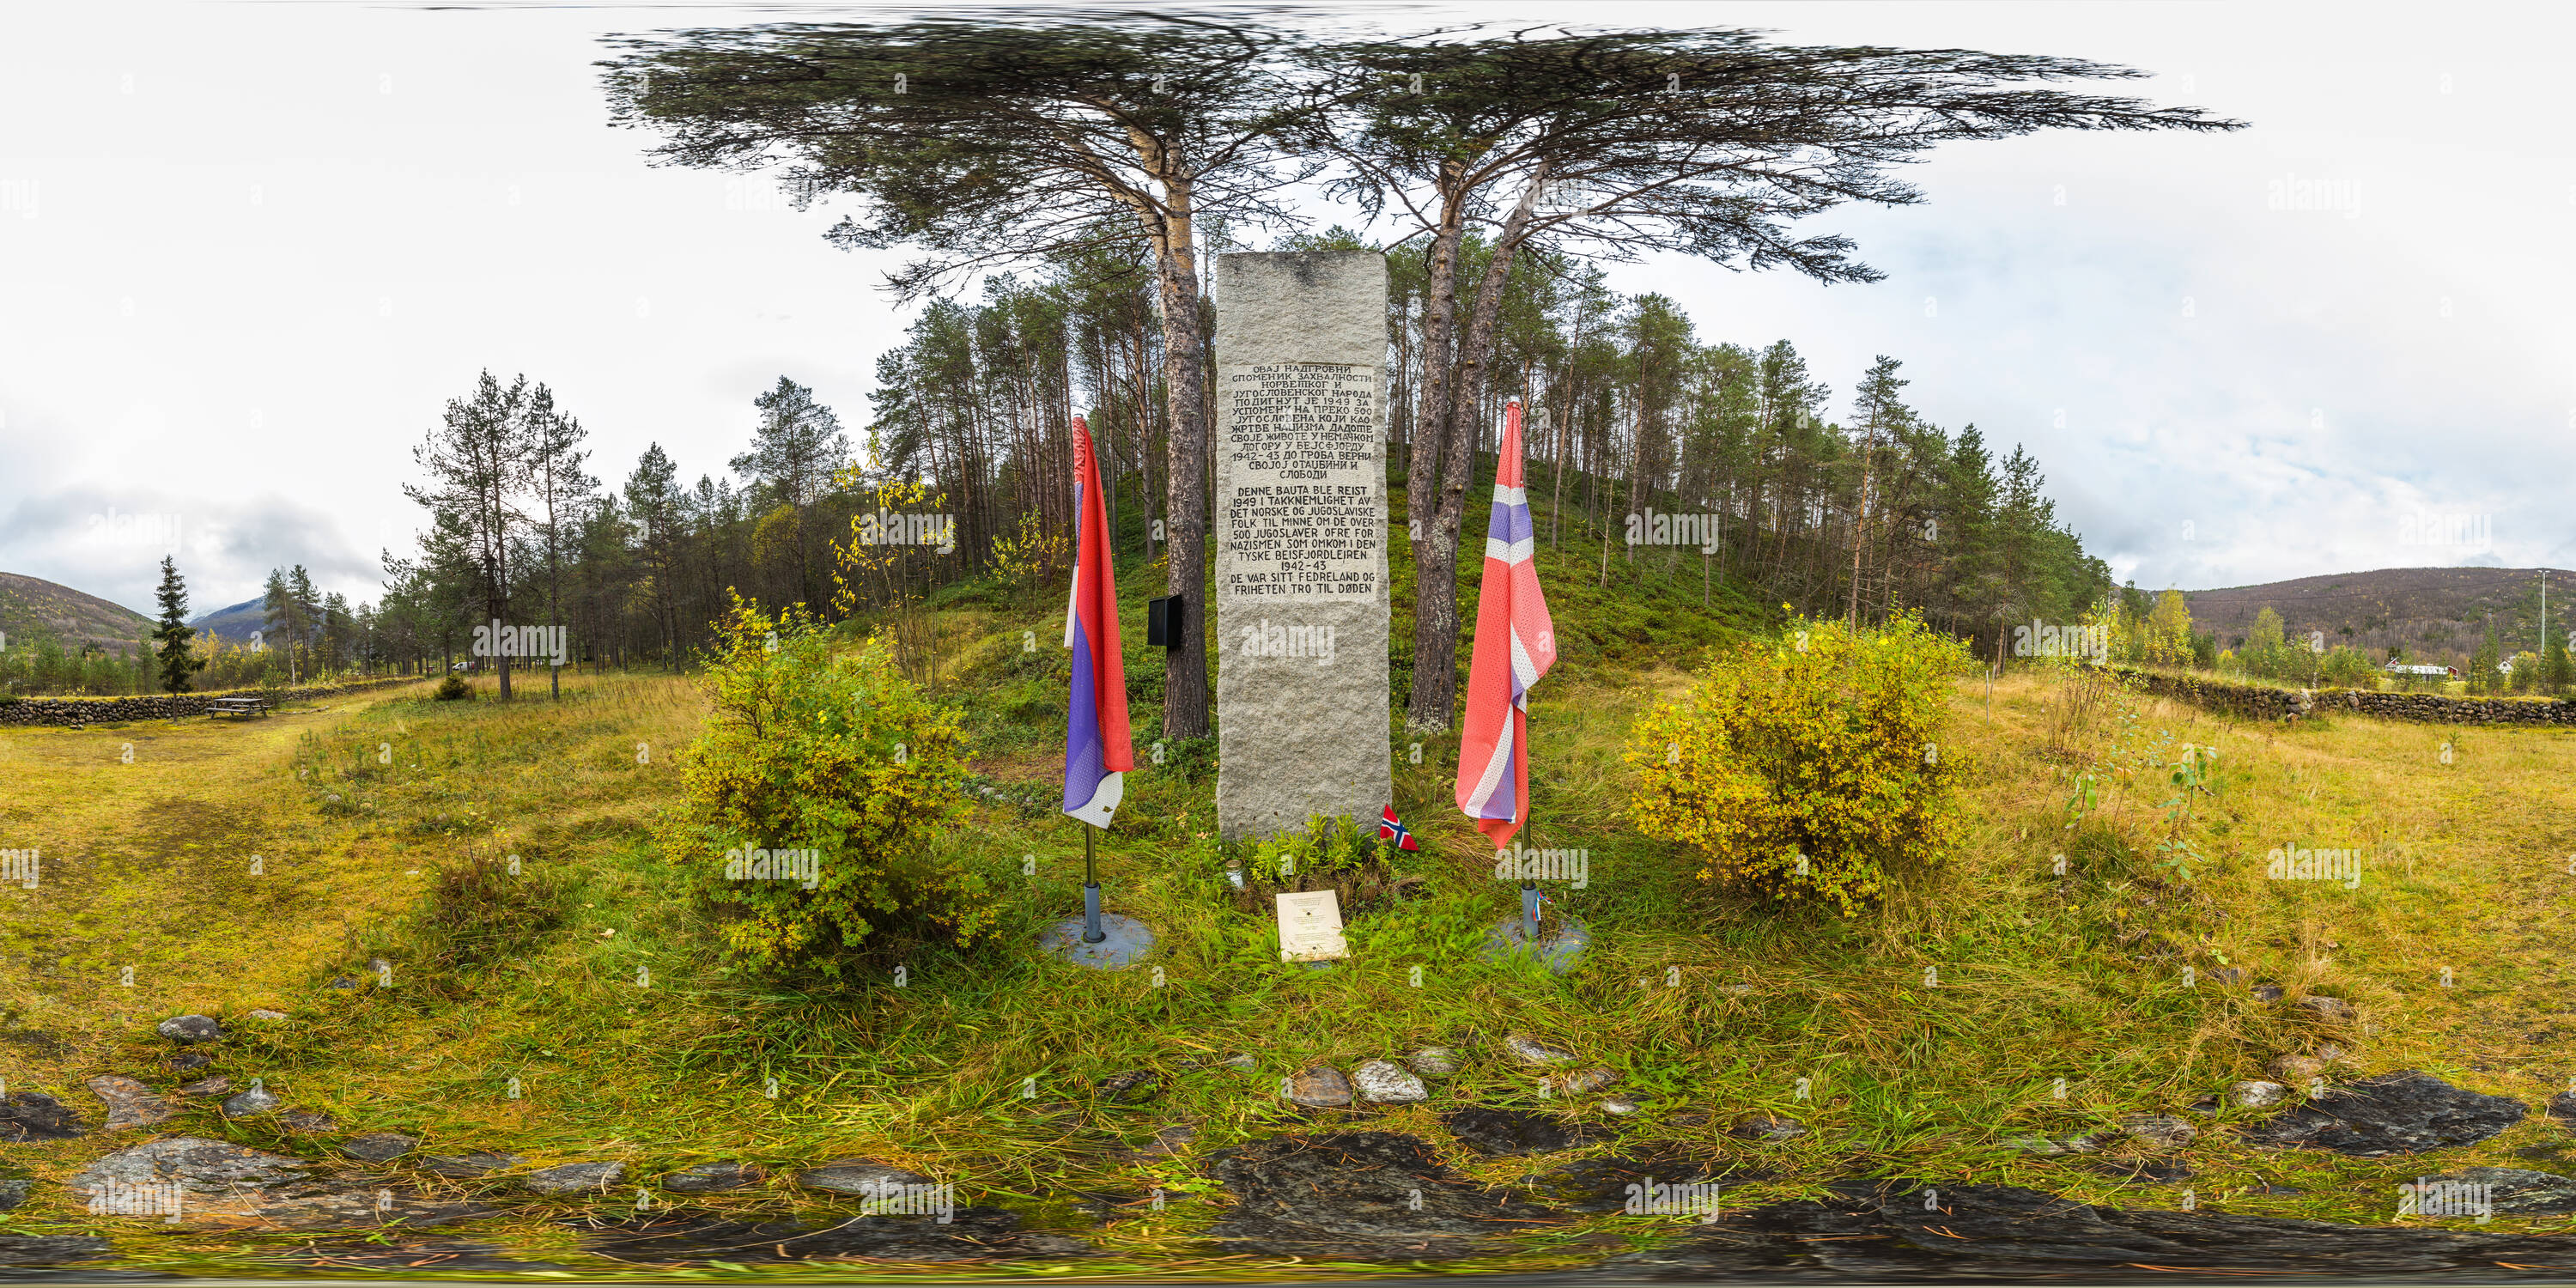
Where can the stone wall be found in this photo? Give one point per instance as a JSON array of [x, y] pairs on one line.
[[2263, 702], [163, 706]]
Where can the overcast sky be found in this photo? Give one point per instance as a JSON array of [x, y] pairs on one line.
[[248, 250]]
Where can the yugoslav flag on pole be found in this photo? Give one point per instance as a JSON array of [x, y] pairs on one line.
[[1096, 750], [1515, 645]]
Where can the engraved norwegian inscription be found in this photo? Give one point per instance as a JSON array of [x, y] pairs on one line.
[[1299, 615], [1305, 518]]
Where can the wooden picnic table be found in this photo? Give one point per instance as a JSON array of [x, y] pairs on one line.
[[239, 707]]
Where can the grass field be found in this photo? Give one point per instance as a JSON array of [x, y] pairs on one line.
[[625, 1040]]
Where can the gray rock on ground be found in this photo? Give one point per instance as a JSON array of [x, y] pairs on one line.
[[379, 1146], [1368, 1196], [2158, 1130], [1127, 1088], [1583, 1082], [712, 1178], [252, 1103], [857, 1176], [470, 1166], [307, 1121], [2052, 1146], [2296, 1069], [1769, 1129], [1388, 1083], [208, 1166], [33, 1115], [1488, 1130], [1879, 1232], [972, 1234], [1433, 1062], [53, 1250], [129, 1103], [2318, 1006], [1619, 1106], [190, 1028], [2519, 1192], [2256, 1094], [229, 1185], [1170, 1139], [1530, 1051], [2405, 1112], [214, 1086], [270, 1016], [2563, 1106], [1319, 1086], [14, 1191], [575, 1178]]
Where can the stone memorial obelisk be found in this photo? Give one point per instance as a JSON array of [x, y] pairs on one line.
[[1301, 587]]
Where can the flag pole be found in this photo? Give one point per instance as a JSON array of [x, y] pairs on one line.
[[1098, 749], [1091, 931], [1529, 890]]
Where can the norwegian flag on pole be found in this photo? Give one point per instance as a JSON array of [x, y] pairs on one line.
[[1515, 645], [1096, 747]]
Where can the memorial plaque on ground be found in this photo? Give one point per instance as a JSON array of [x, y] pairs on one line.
[[1310, 927], [1301, 593]]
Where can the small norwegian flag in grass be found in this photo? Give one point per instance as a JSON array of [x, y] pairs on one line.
[[1391, 828]]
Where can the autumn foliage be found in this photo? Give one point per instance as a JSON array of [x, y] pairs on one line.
[[1808, 766], [823, 750]]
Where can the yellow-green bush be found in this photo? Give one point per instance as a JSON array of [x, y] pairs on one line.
[[1806, 766], [817, 748], [2347, 668]]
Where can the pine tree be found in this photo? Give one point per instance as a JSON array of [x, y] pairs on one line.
[[2482, 664], [177, 664], [308, 607], [794, 450], [282, 618]]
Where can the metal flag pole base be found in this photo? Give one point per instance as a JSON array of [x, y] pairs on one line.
[[1091, 932], [1099, 940], [1560, 946]]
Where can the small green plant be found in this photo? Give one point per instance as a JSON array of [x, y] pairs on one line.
[[453, 688], [1327, 850], [2086, 798], [2192, 777]]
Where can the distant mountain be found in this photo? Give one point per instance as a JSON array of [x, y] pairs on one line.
[[32, 607], [234, 625], [2434, 613]]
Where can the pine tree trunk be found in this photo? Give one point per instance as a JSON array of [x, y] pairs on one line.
[[1185, 687], [1431, 416], [1435, 579]]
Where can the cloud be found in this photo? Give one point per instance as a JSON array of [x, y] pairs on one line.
[[109, 542]]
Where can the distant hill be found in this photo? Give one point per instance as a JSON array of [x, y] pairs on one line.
[[234, 625], [2434, 613], [32, 607]]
